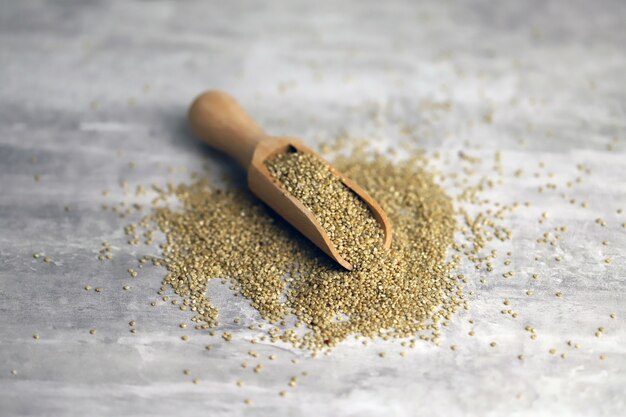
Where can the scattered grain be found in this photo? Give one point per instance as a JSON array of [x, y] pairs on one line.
[[394, 293]]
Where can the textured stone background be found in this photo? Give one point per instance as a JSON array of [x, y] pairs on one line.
[[88, 87]]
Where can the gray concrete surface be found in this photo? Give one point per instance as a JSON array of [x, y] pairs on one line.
[[88, 87]]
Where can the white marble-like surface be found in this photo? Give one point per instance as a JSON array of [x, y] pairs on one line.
[[88, 87]]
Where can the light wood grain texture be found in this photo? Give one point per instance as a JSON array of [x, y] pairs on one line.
[[218, 120]]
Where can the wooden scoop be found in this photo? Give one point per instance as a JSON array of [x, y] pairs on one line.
[[221, 122]]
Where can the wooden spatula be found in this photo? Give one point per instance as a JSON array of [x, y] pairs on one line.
[[221, 122]]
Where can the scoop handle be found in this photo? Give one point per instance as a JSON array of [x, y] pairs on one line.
[[218, 119]]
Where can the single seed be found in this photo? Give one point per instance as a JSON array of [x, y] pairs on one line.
[[184, 338], [92, 331]]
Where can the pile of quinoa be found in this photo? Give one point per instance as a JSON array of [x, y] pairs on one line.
[[214, 232]]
